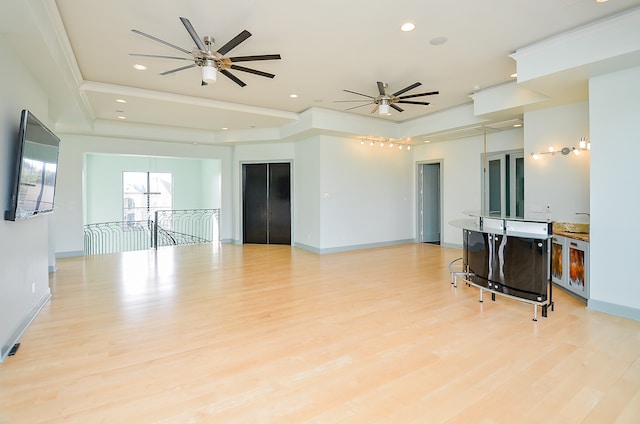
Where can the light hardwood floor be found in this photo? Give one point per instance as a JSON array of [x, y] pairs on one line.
[[275, 334]]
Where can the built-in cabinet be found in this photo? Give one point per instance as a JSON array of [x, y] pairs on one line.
[[570, 265]]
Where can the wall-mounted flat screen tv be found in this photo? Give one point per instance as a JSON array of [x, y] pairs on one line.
[[35, 170]]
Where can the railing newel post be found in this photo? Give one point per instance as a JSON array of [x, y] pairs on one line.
[[154, 240]]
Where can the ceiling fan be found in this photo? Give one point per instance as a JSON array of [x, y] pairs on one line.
[[385, 100], [211, 61]]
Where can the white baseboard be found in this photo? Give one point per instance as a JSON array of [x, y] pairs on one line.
[[24, 324], [614, 309]]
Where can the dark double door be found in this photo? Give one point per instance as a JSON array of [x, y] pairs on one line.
[[266, 203]]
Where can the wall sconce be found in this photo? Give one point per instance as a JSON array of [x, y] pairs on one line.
[[583, 145]]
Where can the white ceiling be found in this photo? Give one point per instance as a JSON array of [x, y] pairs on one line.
[[326, 47]]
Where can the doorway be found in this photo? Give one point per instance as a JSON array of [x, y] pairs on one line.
[[429, 202], [266, 203], [503, 183]]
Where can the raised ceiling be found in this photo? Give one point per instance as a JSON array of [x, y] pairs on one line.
[[326, 47]]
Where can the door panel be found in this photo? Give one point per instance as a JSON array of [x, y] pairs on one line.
[[496, 186], [279, 204], [254, 203], [517, 184]]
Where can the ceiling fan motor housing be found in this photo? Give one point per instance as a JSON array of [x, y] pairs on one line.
[[209, 41]]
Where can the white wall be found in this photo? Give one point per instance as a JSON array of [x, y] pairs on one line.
[[558, 181], [462, 173], [24, 281], [194, 186], [70, 200], [306, 189], [615, 199], [211, 194], [366, 194]]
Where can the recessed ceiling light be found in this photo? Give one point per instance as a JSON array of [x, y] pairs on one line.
[[139, 67], [601, 1], [514, 75], [517, 125], [121, 101], [122, 117], [438, 41], [408, 26], [427, 141], [293, 96], [224, 128]]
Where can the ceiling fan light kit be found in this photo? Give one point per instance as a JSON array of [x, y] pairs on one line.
[[211, 62], [209, 73], [383, 107]]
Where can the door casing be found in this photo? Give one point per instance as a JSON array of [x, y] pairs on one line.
[[434, 216], [266, 204]]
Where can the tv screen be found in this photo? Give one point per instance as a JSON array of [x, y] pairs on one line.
[[35, 170]]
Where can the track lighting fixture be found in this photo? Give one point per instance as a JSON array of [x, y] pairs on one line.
[[387, 142]]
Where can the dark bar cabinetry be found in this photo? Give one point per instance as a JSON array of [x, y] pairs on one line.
[[509, 257]]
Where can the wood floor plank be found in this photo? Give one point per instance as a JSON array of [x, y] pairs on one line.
[[275, 334]]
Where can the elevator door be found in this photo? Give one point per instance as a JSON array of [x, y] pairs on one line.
[[266, 203]]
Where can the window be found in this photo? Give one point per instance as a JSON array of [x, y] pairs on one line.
[[144, 193], [503, 183]]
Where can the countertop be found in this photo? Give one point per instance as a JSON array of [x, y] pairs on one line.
[[523, 228], [531, 229], [577, 231]]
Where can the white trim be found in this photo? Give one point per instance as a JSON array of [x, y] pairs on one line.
[[613, 309], [24, 324]]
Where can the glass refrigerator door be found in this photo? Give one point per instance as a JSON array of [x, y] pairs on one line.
[[558, 247], [578, 281]]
